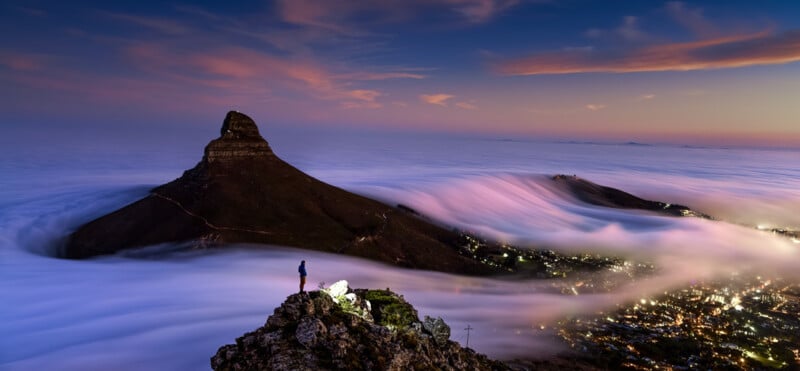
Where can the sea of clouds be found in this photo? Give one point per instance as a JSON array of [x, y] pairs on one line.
[[173, 312]]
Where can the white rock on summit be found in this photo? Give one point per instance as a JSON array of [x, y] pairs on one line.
[[338, 290]]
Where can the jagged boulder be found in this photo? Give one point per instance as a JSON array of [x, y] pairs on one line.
[[437, 328], [311, 332]]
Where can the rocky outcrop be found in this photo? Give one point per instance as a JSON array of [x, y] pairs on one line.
[[317, 331], [596, 194], [437, 328], [242, 192], [239, 140]]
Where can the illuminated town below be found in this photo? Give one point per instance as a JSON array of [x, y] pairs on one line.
[[738, 322]]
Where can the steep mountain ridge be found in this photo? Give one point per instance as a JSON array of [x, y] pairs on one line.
[[242, 192]]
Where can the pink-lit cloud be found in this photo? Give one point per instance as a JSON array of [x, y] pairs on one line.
[[376, 76], [595, 107], [365, 95], [762, 48], [242, 65], [466, 105], [222, 78], [363, 99], [480, 11], [21, 61], [319, 14], [164, 63], [436, 99], [295, 70]]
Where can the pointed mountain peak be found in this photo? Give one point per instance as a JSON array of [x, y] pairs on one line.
[[237, 125], [241, 192], [239, 140]]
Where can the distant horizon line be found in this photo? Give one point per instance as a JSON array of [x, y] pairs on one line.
[[38, 133]]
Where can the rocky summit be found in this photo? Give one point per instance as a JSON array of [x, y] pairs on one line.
[[343, 329], [241, 192]]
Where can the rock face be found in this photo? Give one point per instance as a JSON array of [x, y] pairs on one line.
[[239, 140], [437, 328], [242, 192], [311, 332]]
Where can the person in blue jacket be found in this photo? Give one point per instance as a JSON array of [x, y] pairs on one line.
[[302, 270]]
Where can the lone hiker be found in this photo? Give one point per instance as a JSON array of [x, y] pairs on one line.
[[302, 270]]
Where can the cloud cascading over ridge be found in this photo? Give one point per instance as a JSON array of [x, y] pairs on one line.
[[762, 48]]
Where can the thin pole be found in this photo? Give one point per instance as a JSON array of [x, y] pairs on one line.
[[468, 329]]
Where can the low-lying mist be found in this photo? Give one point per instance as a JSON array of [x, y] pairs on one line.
[[174, 311], [122, 312]]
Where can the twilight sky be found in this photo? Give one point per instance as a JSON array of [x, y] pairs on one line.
[[713, 72]]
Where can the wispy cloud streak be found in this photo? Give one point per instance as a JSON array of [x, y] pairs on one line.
[[162, 25], [436, 99], [348, 17], [466, 105], [595, 107], [480, 11], [693, 19], [231, 66], [16, 61], [628, 31], [202, 56], [763, 48]]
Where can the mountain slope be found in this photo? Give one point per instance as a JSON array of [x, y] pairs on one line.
[[242, 192]]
